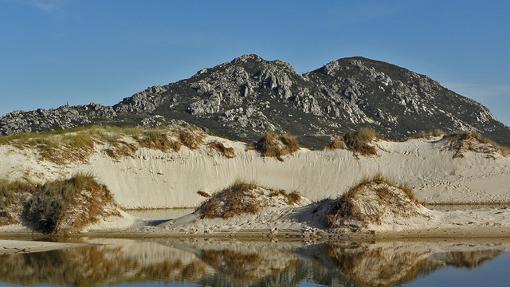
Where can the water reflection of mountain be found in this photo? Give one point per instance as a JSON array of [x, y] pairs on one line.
[[237, 263]]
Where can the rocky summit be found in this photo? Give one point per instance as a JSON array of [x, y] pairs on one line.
[[248, 96]]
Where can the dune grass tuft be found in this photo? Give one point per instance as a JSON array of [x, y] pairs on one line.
[[219, 147], [387, 197], [234, 200], [336, 143], [292, 197], [67, 206], [12, 194], [472, 141], [358, 142], [192, 139], [275, 145], [158, 140]]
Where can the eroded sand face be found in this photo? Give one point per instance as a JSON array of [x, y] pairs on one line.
[[154, 179]]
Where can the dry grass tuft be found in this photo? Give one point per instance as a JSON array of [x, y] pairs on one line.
[[66, 206], [232, 201], [227, 152], [274, 145], [121, 149], [158, 140], [471, 141], [370, 200], [336, 143], [12, 194], [359, 142], [192, 139], [292, 198]]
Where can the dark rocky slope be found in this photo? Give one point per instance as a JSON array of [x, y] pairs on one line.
[[248, 96]]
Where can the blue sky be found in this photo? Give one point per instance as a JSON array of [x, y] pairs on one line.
[[80, 51]]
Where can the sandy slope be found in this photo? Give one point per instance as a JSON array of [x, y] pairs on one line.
[[153, 179]]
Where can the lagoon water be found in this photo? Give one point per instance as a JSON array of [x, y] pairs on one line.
[[200, 262]]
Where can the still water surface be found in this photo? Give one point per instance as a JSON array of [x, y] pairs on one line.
[[170, 262]]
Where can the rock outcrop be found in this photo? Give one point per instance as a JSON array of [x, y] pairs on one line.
[[248, 96]]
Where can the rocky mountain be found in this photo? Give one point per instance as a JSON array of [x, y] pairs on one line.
[[244, 98]]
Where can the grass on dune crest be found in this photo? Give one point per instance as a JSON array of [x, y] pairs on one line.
[[358, 142], [470, 141], [78, 144], [219, 147], [276, 145]]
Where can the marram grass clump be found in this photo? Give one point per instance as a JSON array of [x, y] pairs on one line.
[[220, 148], [277, 145], [461, 142], [374, 201], [67, 206], [245, 198], [358, 142], [12, 195]]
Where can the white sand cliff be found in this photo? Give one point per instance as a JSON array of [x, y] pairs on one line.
[[156, 179]]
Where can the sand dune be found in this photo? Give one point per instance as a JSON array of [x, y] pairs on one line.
[[155, 179]]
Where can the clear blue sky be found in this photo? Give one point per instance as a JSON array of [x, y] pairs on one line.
[[80, 51]]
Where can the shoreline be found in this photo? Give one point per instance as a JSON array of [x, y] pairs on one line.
[[475, 232]]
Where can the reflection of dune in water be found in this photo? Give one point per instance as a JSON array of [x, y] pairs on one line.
[[239, 263], [94, 266], [470, 260], [394, 264]]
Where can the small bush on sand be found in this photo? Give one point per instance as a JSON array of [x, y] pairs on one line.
[[227, 152], [67, 206], [274, 145], [372, 200], [471, 141], [192, 139], [358, 142], [231, 201], [12, 194]]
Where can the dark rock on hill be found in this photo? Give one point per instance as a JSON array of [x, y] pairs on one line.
[[248, 96]]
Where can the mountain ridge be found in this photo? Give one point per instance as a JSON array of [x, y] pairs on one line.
[[249, 95]]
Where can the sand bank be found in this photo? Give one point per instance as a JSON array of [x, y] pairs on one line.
[[155, 179]]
